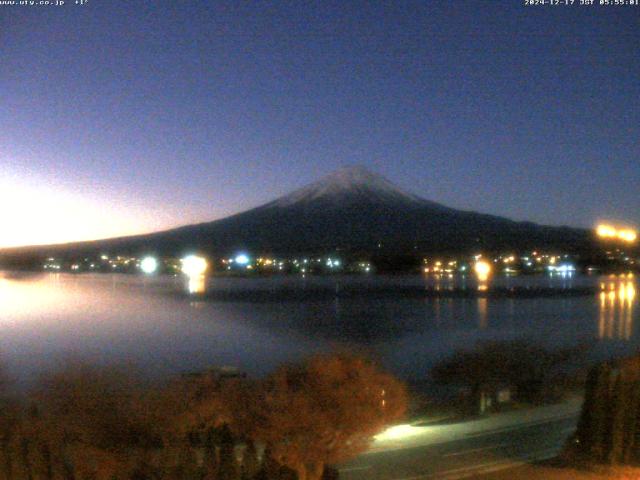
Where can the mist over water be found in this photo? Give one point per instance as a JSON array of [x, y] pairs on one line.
[[155, 323]]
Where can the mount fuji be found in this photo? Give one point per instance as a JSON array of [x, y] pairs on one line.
[[350, 210]]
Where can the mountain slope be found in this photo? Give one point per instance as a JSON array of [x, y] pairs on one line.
[[350, 210]]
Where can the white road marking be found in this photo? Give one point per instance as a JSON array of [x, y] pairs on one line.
[[352, 469], [520, 426], [488, 467], [473, 450], [399, 445]]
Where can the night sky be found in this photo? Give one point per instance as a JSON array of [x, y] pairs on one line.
[[127, 117]]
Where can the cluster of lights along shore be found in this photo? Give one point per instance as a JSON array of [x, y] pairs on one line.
[[194, 265], [481, 265]]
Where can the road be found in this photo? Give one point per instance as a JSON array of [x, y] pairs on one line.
[[466, 449]]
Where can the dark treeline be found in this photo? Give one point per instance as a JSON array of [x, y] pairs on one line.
[[86, 423], [534, 373]]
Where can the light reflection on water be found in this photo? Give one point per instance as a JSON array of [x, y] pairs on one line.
[[617, 301], [197, 284], [482, 313], [105, 318]]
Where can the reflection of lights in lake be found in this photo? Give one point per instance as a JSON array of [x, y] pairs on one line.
[[197, 284], [194, 267], [483, 272], [34, 296], [482, 313], [615, 320]]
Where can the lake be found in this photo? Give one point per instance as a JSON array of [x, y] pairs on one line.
[[155, 322]]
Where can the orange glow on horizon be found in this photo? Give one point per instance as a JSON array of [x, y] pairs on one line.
[[33, 214]]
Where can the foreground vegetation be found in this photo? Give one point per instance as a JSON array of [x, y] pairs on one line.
[[606, 443], [534, 374], [609, 427], [98, 423]]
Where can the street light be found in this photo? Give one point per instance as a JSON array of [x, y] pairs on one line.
[[149, 265], [192, 265], [483, 270]]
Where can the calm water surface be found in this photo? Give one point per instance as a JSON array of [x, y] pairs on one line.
[[154, 322]]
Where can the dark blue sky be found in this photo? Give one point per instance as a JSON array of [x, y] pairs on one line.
[[122, 117]]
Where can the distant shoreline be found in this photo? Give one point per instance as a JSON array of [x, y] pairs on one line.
[[319, 293]]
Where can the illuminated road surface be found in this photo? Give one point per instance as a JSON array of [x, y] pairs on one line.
[[467, 449]]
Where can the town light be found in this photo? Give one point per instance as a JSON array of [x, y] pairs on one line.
[[606, 231], [483, 270], [624, 234], [149, 265], [242, 259], [193, 265], [627, 235]]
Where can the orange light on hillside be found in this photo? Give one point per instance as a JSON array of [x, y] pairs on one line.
[[606, 231], [610, 232], [627, 235]]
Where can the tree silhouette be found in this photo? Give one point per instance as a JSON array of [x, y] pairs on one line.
[[106, 423], [321, 411], [533, 370], [93, 421], [609, 426]]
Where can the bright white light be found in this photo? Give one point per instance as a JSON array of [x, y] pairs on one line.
[[565, 268], [399, 432], [149, 265], [242, 259], [193, 265]]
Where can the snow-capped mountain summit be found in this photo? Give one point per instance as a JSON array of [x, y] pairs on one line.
[[348, 181]]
